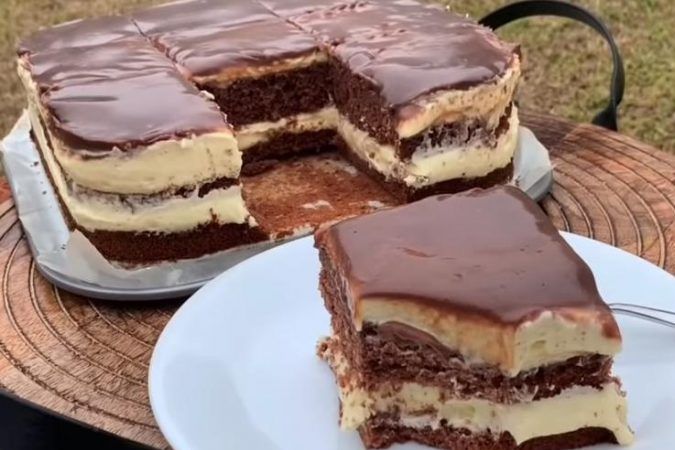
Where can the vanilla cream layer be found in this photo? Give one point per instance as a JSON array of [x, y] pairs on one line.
[[173, 214], [571, 410], [485, 102], [421, 406], [260, 132], [433, 164], [158, 167], [231, 74], [551, 337]]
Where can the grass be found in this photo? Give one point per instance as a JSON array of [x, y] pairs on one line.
[[567, 65]]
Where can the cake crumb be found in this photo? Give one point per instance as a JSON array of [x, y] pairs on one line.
[[376, 204], [317, 204]]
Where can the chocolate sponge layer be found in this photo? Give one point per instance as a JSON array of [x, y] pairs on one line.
[[273, 97]]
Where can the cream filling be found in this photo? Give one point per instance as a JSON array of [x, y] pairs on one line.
[[111, 213], [432, 164], [422, 406], [160, 166], [260, 132], [232, 74], [486, 101], [552, 337], [572, 409]]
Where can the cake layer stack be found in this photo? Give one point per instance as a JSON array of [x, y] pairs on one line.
[[466, 321], [269, 77], [137, 155], [146, 123], [424, 98]]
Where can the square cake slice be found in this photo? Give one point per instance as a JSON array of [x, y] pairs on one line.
[[268, 76], [425, 97], [144, 165], [467, 321]]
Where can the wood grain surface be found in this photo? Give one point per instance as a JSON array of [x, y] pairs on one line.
[[89, 359]]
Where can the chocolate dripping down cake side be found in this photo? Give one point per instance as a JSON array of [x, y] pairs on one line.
[[143, 164], [477, 330]]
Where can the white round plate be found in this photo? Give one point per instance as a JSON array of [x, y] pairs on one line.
[[236, 368]]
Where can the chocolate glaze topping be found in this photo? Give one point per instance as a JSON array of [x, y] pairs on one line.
[[131, 112], [105, 86], [290, 8], [406, 61], [198, 17], [207, 36], [74, 66], [80, 33], [491, 253], [350, 20], [238, 47]]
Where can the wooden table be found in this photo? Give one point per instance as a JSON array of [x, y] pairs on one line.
[[89, 359]]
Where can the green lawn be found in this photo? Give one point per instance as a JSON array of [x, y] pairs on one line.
[[567, 65]]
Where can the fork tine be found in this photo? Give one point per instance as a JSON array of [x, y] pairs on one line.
[[644, 316], [646, 308]]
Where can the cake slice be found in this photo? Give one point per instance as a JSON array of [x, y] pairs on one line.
[[268, 76], [466, 321], [425, 97], [144, 165]]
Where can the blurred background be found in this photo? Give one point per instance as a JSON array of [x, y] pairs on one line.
[[567, 65]]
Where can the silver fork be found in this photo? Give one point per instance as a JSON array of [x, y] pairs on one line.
[[639, 311]]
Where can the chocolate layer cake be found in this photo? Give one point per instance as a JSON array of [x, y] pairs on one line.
[[269, 77], [145, 123], [137, 155], [479, 330]]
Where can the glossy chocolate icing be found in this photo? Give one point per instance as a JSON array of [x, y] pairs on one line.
[[130, 112], [82, 65], [409, 59], [489, 253], [245, 45], [208, 36], [198, 17], [119, 95], [290, 8], [350, 20], [80, 33]]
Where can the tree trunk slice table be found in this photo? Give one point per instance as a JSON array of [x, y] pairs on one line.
[[89, 359]]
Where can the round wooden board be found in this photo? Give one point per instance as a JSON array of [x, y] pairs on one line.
[[89, 360]]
